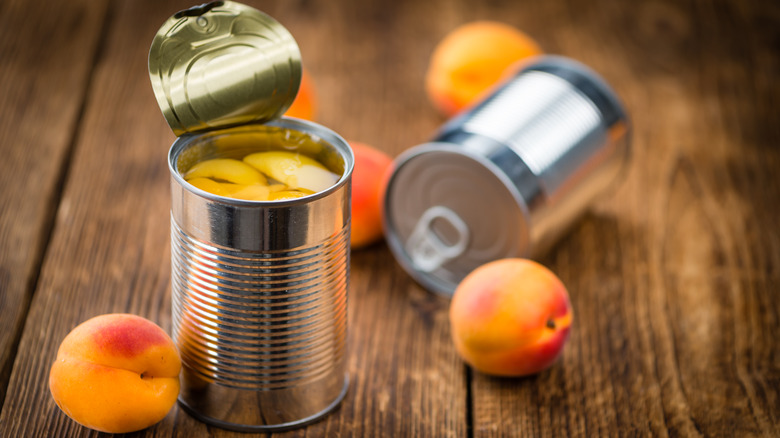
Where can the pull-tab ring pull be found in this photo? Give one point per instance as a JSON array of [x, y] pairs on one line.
[[426, 249]]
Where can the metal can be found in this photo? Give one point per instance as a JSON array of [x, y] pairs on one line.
[[507, 177], [259, 288]]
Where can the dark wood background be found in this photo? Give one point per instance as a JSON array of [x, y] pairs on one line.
[[673, 276]]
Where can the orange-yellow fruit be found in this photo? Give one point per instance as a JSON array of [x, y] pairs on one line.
[[225, 169], [510, 317], [471, 59], [293, 169], [116, 373], [368, 188], [305, 104], [282, 195]]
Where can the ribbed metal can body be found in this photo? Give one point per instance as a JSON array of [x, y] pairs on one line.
[[259, 290]]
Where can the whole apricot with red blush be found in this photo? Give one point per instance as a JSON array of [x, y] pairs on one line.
[[471, 59], [369, 178], [116, 373], [510, 317], [305, 104]]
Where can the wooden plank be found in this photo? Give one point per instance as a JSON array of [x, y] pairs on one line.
[[110, 250], [673, 278], [46, 62]]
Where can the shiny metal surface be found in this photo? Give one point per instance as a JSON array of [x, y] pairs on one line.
[[223, 64], [260, 288], [448, 210], [510, 175]]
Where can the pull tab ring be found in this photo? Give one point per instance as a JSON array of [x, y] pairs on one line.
[[426, 249]]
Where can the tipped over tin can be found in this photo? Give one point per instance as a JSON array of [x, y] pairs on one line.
[[259, 287], [507, 177]]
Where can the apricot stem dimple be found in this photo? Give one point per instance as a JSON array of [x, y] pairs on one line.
[[550, 324]]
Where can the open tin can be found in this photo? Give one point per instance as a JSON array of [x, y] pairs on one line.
[[508, 176], [259, 288]]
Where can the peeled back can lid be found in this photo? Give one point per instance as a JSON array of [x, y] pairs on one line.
[[223, 64]]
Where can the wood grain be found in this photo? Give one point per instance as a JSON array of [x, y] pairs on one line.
[[674, 275], [46, 60], [109, 249], [673, 279]]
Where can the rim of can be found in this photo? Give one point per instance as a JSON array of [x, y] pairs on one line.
[[433, 280], [223, 64], [317, 132]]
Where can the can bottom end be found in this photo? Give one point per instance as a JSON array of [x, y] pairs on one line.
[[268, 427]]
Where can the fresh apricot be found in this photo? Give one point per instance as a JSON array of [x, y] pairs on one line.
[[116, 373], [368, 188], [510, 317], [305, 104], [471, 59]]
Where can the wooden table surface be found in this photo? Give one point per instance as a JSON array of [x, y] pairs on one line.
[[673, 276]]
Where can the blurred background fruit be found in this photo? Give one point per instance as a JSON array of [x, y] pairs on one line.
[[471, 59], [368, 188], [305, 104]]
